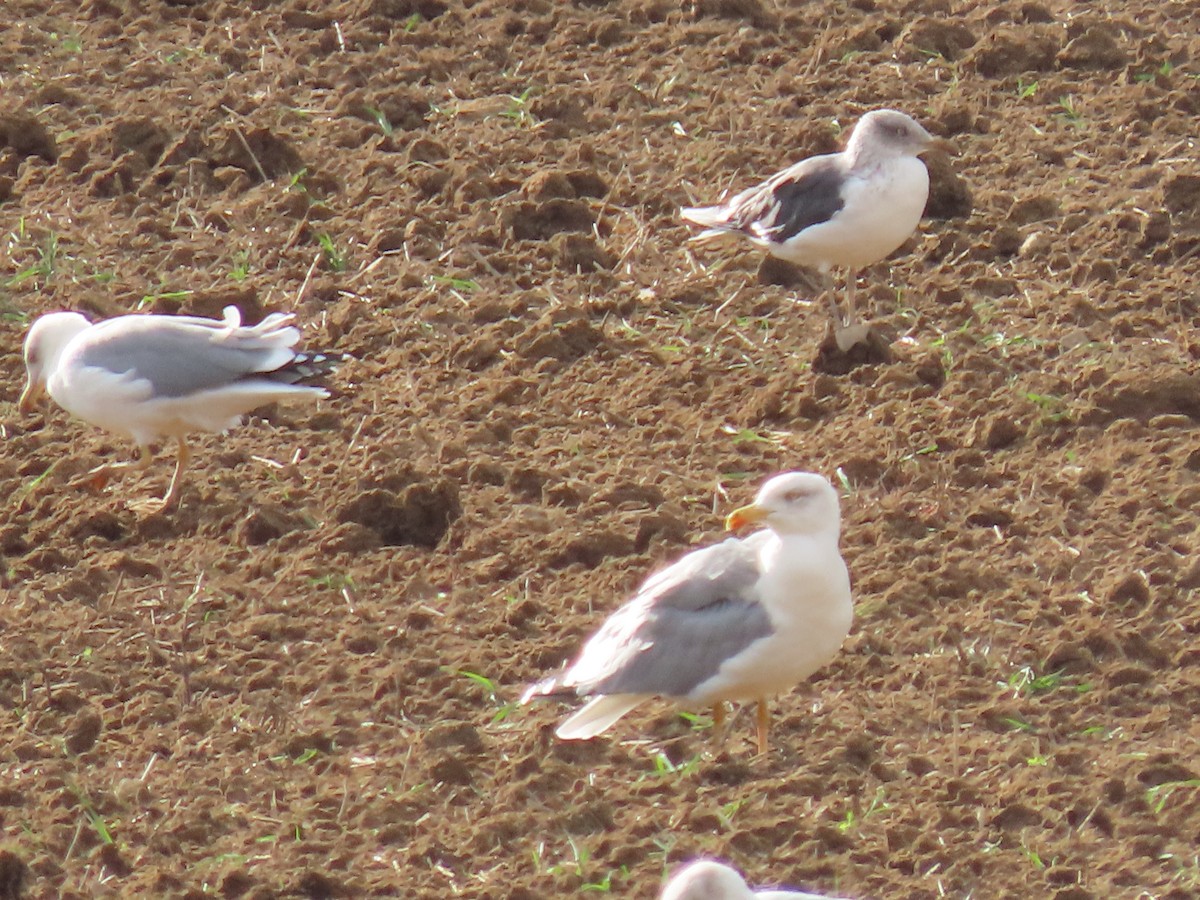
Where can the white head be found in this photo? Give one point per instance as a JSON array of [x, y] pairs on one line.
[[705, 879], [792, 503], [888, 133], [47, 339]]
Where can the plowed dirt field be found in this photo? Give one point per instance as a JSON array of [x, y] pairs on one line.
[[303, 681]]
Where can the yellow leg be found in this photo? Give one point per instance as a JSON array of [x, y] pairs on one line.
[[168, 500], [720, 732], [763, 720], [98, 477]]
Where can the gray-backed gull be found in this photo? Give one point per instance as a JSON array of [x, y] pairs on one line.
[[741, 620], [145, 377]]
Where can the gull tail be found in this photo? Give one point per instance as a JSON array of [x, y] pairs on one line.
[[547, 687], [597, 716], [307, 369], [714, 219]]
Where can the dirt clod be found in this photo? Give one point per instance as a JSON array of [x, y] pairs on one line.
[[1097, 48], [267, 524], [13, 872], [419, 514], [315, 885], [84, 732], [925, 36], [580, 253], [25, 136]]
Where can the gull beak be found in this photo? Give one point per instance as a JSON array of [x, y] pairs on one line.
[[33, 392], [745, 515]]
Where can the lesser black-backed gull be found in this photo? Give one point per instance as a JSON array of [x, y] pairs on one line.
[[846, 210]]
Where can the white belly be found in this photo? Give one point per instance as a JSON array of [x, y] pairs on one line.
[[880, 213], [809, 624], [126, 405]]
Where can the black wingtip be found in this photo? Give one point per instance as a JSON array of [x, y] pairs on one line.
[[309, 368]]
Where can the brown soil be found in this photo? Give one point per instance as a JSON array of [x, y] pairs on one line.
[[264, 693]]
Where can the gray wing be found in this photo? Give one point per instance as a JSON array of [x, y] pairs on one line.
[[806, 194], [682, 625], [185, 355]]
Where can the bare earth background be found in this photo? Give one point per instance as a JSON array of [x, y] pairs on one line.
[[300, 683]]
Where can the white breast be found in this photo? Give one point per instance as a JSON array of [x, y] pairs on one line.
[[882, 209], [807, 594], [95, 395]]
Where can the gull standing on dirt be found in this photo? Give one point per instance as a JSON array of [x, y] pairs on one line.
[[151, 376], [848, 209], [740, 620], [706, 879]]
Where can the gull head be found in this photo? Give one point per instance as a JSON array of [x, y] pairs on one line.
[[890, 133], [47, 339], [792, 503], [707, 880]]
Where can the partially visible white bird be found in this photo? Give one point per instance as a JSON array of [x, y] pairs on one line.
[[741, 620], [150, 376], [848, 209], [706, 879]]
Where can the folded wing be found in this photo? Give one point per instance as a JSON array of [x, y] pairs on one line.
[[183, 355], [803, 195], [676, 632]]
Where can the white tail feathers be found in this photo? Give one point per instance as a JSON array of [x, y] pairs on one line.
[[715, 220], [708, 216], [596, 717]]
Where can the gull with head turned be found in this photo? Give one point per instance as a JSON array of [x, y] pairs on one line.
[[146, 377], [847, 210], [738, 621]]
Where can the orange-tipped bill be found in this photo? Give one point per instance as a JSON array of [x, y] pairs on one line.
[[743, 516]]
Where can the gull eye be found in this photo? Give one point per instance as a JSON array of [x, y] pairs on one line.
[[796, 496]]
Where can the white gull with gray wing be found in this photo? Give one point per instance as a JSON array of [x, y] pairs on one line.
[[741, 620], [146, 377]]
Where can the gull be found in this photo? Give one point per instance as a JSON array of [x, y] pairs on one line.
[[740, 620], [706, 879], [848, 209], [145, 377]]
